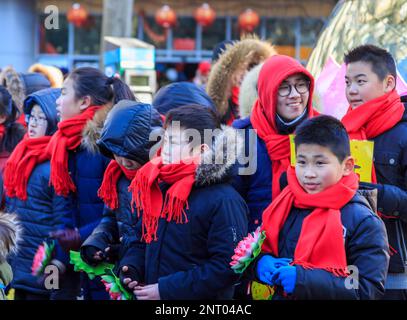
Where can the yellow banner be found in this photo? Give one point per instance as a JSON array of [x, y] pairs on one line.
[[361, 151]]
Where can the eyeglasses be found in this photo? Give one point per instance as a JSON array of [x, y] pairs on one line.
[[38, 121], [301, 87]]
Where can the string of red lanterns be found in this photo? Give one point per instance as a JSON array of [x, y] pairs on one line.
[[205, 16]]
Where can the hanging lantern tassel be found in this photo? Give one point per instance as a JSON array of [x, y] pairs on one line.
[[205, 15], [249, 20], [166, 17]]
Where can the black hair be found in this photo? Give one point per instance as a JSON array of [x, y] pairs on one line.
[[14, 130], [194, 117], [92, 82], [325, 131], [381, 60]]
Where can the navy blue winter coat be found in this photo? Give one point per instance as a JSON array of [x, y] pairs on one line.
[[126, 133], [366, 248], [390, 161], [191, 260], [256, 187], [178, 94], [43, 211]]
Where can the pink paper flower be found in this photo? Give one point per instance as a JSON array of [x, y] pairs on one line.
[[247, 250], [42, 258]]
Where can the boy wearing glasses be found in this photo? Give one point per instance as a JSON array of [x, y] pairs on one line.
[[285, 91]]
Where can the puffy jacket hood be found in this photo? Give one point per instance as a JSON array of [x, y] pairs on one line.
[[179, 94], [127, 130], [46, 99]]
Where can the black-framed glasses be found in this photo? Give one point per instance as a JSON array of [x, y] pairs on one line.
[[301, 87], [37, 120]]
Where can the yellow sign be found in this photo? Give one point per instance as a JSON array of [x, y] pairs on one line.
[[361, 151]]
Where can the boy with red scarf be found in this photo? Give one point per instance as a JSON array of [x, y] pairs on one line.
[[376, 113], [191, 217], [125, 138], [319, 225], [285, 91]]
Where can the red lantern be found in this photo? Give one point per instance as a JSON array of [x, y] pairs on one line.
[[205, 15], [249, 20], [77, 15], [166, 17]]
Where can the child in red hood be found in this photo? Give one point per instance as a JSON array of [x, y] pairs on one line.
[[285, 90]]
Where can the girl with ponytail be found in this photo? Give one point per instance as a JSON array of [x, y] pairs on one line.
[[77, 167]]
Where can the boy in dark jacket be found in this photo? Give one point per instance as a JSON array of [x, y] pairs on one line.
[[322, 240], [193, 219], [377, 113], [126, 138]]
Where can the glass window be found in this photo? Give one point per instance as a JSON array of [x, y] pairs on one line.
[[214, 34], [54, 41], [310, 29], [184, 34], [87, 38], [281, 31], [153, 33]]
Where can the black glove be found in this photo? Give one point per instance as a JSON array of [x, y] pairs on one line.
[[89, 254], [69, 239], [111, 253], [131, 273]]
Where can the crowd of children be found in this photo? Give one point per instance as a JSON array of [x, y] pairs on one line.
[[158, 197]]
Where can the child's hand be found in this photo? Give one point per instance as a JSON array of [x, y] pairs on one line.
[[148, 292], [269, 264], [127, 277], [91, 255], [111, 253], [285, 277]]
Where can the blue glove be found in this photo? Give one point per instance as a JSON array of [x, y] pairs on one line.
[[285, 277], [267, 265]]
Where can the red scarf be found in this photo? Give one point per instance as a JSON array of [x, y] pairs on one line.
[[2, 131], [147, 194], [108, 190], [321, 243], [68, 137], [263, 117], [373, 118], [25, 157]]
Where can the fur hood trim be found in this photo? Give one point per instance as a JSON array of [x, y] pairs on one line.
[[53, 74], [242, 55], [10, 232], [217, 162], [10, 79], [248, 91], [93, 128]]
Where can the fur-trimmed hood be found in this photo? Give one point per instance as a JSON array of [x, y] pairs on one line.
[[53, 74], [218, 162], [248, 91], [242, 55], [20, 85], [10, 232], [93, 128]]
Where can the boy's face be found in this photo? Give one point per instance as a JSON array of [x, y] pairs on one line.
[[318, 168], [176, 146], [127, 163], [363, 85], [292, 96]]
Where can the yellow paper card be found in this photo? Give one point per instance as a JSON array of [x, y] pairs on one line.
[[361, 151]]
